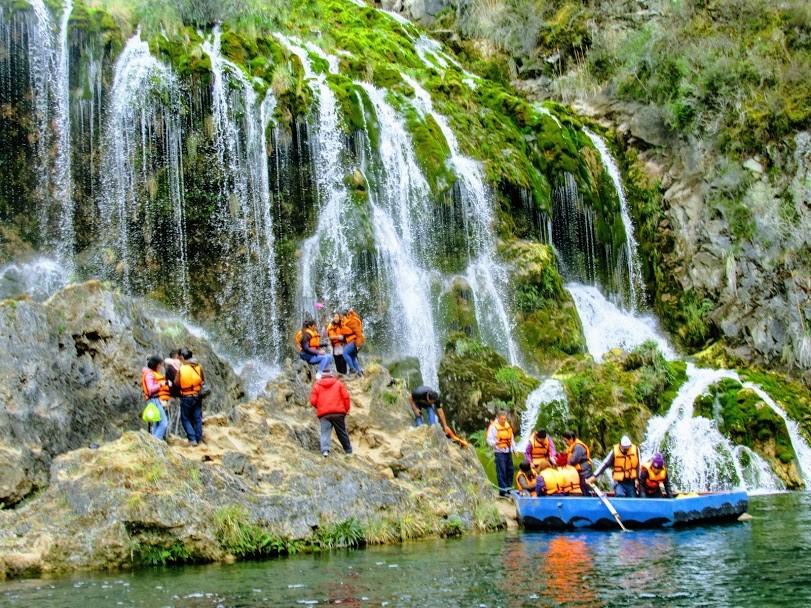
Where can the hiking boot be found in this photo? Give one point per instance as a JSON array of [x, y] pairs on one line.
[[325, 453]]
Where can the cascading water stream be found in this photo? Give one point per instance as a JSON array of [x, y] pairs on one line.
[[551, 391], [633, 268], [39, 279], [240, 133], [63, 181], [486, 277], [131, 157], [327, 262]]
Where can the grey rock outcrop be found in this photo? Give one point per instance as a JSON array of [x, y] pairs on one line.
[[260, 473], [422, 11], [70, 375]]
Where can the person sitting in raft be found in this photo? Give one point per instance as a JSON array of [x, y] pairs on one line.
[[547, 482], [653, 476], [526, 480], [425, 400], [540, 447], [568, 477], [579, 457], [624, 459], [309, 344]]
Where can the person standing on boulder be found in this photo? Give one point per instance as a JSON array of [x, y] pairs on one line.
[[337, 340], [353, 331], [330, 399], [500, 437], [190, 378], [156, 391]]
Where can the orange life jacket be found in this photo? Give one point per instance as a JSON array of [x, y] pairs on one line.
[[504, 434], [540, 450], [352, 328], [189, 379], [655, 477], [315, 340], [569, 479], [528, 483], [333, 331], [626, 466], [552, 480], [163, 389], [570, 449]]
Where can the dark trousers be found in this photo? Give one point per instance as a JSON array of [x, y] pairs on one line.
[[191, 415], [505, 472], [340, 363], [584, 487], [337, 422]]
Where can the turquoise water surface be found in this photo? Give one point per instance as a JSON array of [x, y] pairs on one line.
[[763, 562]]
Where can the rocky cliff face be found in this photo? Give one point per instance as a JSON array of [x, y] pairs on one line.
[[70, 375], [258, 487]]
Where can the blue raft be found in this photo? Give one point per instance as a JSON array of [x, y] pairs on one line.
[[570, 512]]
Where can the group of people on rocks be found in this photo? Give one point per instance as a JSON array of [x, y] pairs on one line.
[[547, 472], [345, 337], [179, 376]]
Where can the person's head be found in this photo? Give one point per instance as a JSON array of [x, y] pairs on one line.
[[501, 417], [432, 396], [569, 437], [336, 317], [186, 354], [658, 462], [525, 467], [625, 444], [174, 353], [154, 363], [541, 433], [308, 323], [561, 460], [344, 311]]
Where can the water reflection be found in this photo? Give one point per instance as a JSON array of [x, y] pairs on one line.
[[763, 562]]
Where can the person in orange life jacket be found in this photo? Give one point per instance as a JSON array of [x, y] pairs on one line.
[[579, 456], [330, 399], [310, 347], [526, 481], [568, 477], [500, 437], [624, 460], [540, 446], [547, 481], [353, 331], [156, 390], [190, 378], [338, 341], [171, 364], [652, 476], [425, 400]]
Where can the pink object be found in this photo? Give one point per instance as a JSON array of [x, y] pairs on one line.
[[319, 305]]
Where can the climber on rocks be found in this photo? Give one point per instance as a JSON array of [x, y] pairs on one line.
[[310, 351], [353, 332], [190, 378], [330, 399], [156, 391]]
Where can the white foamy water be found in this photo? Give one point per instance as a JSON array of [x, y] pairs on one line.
[[550, 391], [39, 278], [606, 326]]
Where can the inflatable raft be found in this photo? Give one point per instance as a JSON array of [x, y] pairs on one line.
[[570, 512]]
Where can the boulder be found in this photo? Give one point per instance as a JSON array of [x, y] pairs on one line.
[[70, 375]]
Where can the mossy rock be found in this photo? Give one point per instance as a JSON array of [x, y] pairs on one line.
[[456, 305], [475, 381]]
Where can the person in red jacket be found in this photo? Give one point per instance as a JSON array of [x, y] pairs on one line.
[[331, 402]]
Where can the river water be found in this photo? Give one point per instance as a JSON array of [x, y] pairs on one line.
[[764, 562]]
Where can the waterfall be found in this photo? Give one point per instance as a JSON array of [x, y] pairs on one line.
[[143, 139], [573, 232], [550, 392], [240, 133], [798, 442], [636, 284], [399, 225], [328, 264], [63, 182], [605, 326], [485, 275]]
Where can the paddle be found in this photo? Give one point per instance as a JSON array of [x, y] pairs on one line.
[[604, 499]]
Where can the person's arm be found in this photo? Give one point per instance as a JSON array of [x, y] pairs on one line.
[[441, 414], [608, 462], [540, 485], [668, 489], [528, 452], [552, 452], [643, 478], [413, 405], [491, 436], [314, 395], [152, 385], [345, 398]]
